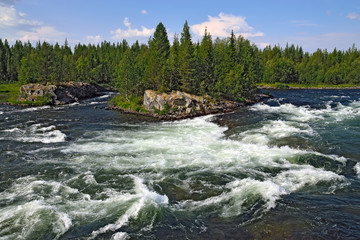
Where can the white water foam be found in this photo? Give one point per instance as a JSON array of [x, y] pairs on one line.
[[13, 130], [275, 130], [29, 217], [200, 145], [258, 173], [120, 236], [357, 169], [295, 179], [305, 113], [32, 109], [36, 133], [144, 197], [242, 193]]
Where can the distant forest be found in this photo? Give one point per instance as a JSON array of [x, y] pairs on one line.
[[226, 68]]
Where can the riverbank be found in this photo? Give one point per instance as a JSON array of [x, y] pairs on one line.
[[36, 94], [9, 92], [304, 86]]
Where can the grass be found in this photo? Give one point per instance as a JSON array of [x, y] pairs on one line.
[[41, 101], [132, 103], [296, 85], [9, 92]]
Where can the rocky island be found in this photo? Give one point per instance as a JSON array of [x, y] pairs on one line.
[[59, 94], [180, 105]]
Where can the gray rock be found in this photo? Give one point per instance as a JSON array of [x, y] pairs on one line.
[[184, 105], [62, 93]]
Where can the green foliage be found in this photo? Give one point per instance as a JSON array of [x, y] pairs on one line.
[[40, 100], [227, 68], [133, 103], [9, 92], [166, 110], [281, 85], [186, 59]]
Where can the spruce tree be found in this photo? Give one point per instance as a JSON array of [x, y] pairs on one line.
[[159, 49], [172, 66], [206, 65], [186, 58]]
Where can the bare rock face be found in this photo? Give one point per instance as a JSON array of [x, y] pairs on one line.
[[62, 93], [176, 104]]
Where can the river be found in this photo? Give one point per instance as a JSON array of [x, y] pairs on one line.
[[288, 168]]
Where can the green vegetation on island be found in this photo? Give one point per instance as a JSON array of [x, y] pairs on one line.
[[228, 68], [9, 92]]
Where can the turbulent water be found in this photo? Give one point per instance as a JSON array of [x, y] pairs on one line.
[[288, 168]]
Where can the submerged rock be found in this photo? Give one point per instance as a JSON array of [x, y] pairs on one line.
[[63, 93]]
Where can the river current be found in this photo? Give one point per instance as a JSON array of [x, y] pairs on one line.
[[288, 168]]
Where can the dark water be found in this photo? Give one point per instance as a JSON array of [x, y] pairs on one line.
[[286, 169]]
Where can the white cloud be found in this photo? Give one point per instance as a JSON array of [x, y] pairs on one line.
[[9, 17], [44, 33], [94, 39], [14, 25], [144, 12], [131, 32], [353, 16], [127, 23], [223, 24]]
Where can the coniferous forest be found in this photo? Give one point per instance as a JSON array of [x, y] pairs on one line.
[[227, 68]]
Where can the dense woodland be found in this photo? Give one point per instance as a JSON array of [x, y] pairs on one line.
[[226, 68]]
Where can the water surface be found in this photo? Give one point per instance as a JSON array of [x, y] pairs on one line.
[[286, 168]]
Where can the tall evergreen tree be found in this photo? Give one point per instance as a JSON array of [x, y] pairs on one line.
[[126, 75], [173, 65], [206, 65], [159, 49], [3, 67], [186, 58]]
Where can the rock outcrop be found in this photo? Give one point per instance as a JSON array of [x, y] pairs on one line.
[[178, 105], [63, 93]]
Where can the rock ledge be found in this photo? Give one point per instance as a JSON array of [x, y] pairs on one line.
[[62, 93]]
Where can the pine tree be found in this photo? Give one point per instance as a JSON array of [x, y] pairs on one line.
[[186, 58], [3, 66], [173, 65], [206, 65], [159, 49], [126, 75]]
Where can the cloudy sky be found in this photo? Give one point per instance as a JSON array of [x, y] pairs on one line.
[[310, 23]]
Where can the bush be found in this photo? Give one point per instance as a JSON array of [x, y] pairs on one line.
[[166, 110], [133, 103]]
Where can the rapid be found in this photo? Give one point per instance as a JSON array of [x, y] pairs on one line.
[[286, 168]]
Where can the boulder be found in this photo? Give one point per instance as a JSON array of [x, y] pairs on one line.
[[177, 104], [59, 94]]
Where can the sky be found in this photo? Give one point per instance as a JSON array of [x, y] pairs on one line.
[[314, 24]]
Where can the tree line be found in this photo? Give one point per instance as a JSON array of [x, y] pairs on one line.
[[227, 68]]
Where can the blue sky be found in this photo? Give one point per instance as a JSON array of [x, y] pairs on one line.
[[311, 24]]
